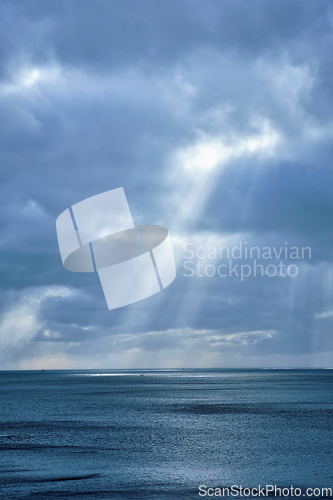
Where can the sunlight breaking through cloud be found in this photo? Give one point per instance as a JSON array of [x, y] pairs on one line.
[[210, 152]]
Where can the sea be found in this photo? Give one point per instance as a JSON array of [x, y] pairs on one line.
[[165, 434]]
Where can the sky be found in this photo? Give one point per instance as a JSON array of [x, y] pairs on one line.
[[216, 117]]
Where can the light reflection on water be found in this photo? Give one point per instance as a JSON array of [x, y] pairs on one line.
[[161, 433]]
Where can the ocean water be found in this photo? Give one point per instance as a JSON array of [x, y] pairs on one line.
[[161, 434]]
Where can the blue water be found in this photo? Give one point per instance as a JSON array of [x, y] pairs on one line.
[[161, 434]]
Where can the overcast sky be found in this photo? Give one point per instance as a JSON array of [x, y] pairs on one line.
[[216, 117]]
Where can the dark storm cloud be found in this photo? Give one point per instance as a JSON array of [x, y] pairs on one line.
[[102, 94], [103, 34]]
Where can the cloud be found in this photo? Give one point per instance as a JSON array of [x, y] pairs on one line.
[[21, 320], [216, 118]]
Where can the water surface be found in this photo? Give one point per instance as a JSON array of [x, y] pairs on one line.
[[160, 434]]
